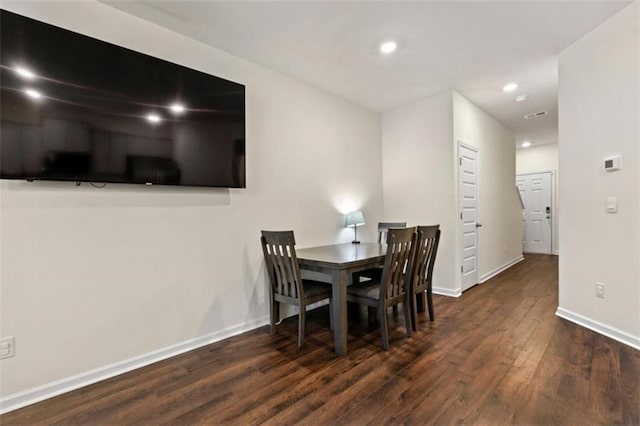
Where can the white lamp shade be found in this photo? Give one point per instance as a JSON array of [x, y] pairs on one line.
[[355, 218]]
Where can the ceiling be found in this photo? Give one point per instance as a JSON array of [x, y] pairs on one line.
[[474, 47]]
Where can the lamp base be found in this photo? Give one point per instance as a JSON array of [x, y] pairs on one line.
[[355, 242]]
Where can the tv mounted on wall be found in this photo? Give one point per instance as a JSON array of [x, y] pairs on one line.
[[73, 108]]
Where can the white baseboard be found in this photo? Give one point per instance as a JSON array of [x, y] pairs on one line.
[[446, 291], [500, 269], [598, 327], [49, 390], [556, 253]]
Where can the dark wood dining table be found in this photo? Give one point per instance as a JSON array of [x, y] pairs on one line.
[[340, 261]]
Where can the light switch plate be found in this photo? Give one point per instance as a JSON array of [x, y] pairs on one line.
[[600, 290], [7, 347]]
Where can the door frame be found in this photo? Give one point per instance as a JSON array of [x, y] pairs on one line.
[[552, 249], [459, 230]]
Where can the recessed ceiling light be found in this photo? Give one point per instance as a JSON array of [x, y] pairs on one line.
[[32, 93], [526, 144], [520, 98], [177, 108], [153, 118], [510, 87], [25, 73], [388, 47]]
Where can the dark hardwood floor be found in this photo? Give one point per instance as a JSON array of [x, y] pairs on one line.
[[496, 355]]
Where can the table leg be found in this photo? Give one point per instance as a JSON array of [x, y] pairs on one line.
[[339, 281]]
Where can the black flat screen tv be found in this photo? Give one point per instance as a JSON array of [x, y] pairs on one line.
[[73, 108]]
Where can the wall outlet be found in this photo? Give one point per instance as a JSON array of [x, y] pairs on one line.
[[600, 290], [7, 347]]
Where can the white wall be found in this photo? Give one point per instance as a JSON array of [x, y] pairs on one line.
[[96, 276], [500, 238], [543, 158], [418, 169], [599, 114]]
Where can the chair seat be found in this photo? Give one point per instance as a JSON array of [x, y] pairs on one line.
[[314, 289], [368, 290]]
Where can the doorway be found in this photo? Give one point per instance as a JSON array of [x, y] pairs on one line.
[[536, 190]]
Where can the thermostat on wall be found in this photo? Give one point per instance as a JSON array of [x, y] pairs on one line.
[[612, 164]]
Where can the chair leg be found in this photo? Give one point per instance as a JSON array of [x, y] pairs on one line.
[[384, 330], [430, 305], [413, 308], [274, 308], [409, 315], [301, 325]]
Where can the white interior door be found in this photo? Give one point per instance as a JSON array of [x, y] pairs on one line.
[[468, 202], [537, 216]]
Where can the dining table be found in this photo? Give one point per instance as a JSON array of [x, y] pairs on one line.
[[340, 261]]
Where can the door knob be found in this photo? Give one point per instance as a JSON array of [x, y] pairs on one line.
[[478, 225]]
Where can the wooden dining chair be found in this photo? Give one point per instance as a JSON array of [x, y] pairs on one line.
[[393, 287], [383, 228], [376, 273], [285, 279], [426, 248]]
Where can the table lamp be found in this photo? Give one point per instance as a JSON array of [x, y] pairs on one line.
[[354, 219]]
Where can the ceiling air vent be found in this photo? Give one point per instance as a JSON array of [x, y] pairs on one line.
[[536, 114]]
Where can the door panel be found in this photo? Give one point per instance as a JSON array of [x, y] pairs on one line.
[[469, 263], [535, 231], [469, 240], [468, 191]]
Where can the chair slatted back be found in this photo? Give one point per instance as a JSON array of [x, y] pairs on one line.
[[427, 240], [282, 264], [383, 228], [397, 264]]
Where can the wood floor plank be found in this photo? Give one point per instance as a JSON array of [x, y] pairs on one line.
[[605, 391], [496, 355], [630, 383]]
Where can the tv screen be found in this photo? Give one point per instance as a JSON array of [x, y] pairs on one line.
[[74, 108]]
